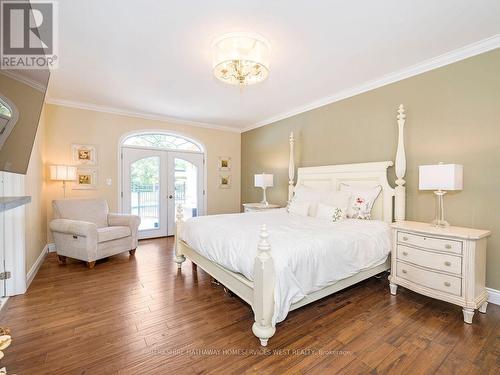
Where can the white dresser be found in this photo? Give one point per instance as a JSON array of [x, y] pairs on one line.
[[251, 207], [444, 263]]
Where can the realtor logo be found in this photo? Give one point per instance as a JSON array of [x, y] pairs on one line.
[[28, 34]]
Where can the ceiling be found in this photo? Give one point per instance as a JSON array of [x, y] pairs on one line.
[[154, 57]]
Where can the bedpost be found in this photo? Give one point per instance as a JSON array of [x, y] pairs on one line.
[[179, 258], [400, 200], [263, 290], [291, 169]]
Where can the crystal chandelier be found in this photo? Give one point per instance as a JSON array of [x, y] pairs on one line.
[[241, 58]]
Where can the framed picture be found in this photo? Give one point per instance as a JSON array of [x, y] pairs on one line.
[[86, 179], [224, 182], [84, 154], [224, 163]]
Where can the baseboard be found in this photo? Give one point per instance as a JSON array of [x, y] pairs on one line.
[[52, 247], [493, 296], [34, 269]]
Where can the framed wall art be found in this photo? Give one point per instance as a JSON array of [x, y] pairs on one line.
[[84, 154], [86, 179], [224, 163], [225, 182]]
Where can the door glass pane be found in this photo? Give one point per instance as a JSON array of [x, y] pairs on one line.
[[145, 191], [186, 187]]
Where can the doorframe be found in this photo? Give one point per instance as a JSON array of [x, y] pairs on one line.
[[166, 132]]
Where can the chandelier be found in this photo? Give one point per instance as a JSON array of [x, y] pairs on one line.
[[241, 58]]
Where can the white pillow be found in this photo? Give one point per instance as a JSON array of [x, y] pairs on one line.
[[299, 208], [330, 213], [362, 200], [339, 199], [314, 196]]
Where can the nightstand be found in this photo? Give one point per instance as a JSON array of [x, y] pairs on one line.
[[252, 207], [444, 263]]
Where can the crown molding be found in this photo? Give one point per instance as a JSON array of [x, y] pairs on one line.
[[447, 58], [141, 115], [18, 77]]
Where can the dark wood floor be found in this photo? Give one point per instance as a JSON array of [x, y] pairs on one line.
[[140, 316]]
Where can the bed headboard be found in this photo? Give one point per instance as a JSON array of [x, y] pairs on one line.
[[363, 174], [389, 205]]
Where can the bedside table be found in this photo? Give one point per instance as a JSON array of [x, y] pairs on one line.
[[444, 263], [252, 207]]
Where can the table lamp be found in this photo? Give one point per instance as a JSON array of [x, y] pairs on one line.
[[63, 173], [264, 181], [440, 178]]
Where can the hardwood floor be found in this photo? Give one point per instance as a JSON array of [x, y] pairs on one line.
[[138, 315]]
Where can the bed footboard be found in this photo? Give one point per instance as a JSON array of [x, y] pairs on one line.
[[179, 257], [263, 291]]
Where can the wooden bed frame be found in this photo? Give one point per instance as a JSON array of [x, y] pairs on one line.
[[260, 293]]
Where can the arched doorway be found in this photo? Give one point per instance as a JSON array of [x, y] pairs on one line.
[[159, 171]]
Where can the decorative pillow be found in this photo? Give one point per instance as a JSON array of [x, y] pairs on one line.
[[314, 196], [331, 213], [362, 199], [298, 208]]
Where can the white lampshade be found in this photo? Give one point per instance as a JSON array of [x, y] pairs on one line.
[[441, 177], [264, 180], [62, 173], [241, 58]]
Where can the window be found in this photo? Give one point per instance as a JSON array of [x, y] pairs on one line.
[[5, 109], [164, 141]]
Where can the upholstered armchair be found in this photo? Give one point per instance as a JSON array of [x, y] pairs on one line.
[[84, 229]]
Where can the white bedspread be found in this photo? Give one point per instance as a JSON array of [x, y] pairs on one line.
[[308, 253]]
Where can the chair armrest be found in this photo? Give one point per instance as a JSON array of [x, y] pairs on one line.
[[132, 221], [79, 228]]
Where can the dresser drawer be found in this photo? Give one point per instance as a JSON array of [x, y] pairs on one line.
[[433, 280], [437, 261], [430, 242]]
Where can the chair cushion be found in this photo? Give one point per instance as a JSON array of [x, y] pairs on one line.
[[92, 210], [112, 233]]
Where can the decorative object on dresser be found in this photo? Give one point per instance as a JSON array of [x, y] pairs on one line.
[[444, 263], [62, 173], [252, 207], [440, 177], [264, 180]]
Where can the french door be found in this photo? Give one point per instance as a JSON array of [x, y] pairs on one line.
[[154, 182]]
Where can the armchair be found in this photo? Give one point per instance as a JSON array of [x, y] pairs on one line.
[[84, 229]]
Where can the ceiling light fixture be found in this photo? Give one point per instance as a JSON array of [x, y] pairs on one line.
[[241, 58]]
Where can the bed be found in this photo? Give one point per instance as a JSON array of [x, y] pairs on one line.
[[297, 260]]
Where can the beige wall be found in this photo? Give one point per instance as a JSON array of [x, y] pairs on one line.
[[69, 125], [453, 115], [36, 211]]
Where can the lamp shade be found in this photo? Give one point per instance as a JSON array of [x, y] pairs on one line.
[[264, 180], [62, 173], [241, 58], [441, 177]]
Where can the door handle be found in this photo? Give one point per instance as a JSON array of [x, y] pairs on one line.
[[170, 196]]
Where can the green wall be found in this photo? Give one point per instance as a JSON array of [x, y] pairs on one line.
[[453, 115]]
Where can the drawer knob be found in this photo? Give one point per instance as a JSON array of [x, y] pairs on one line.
[[447, 283], [405, 253], [405, 238], [447, 246], [404, 271], [447, 263]]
